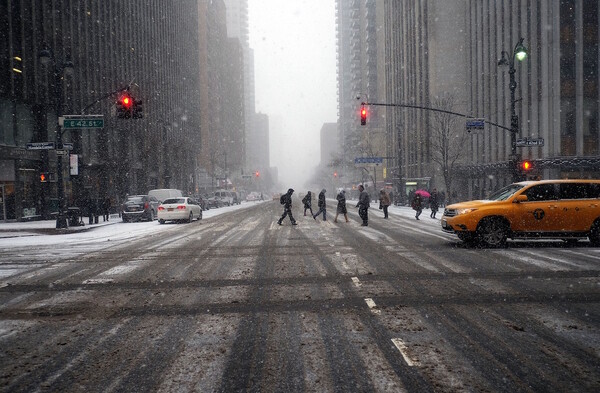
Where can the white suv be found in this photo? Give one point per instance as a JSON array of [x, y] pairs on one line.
[[226, 196]]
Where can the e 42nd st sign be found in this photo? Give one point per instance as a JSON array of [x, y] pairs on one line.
[[82, 121]]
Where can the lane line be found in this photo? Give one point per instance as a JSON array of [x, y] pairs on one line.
[[372, 306], [356, 282], [402, 348]]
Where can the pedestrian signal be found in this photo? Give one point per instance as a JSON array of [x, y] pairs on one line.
[[43, 177]]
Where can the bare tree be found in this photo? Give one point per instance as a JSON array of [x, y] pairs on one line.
[[448, 139]]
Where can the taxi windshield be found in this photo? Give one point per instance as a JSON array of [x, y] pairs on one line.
[[505, 192]]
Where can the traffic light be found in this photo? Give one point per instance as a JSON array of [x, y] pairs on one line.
[[125, 106], [138, 110], [526, 166], [363, 115], [257, 173], [334, 174], [44, 177]]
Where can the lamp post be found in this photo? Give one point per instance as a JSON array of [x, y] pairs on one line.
[[60, 69], [519, 53]]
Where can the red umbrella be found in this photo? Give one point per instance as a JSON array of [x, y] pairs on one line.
[[423, 193]]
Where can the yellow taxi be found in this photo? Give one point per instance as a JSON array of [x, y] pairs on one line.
[[555, 209]]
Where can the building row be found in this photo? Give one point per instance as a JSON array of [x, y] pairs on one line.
[[403, 58], [192, 76]]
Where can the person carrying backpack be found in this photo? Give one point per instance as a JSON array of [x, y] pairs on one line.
[[286, 201], [307, 200]]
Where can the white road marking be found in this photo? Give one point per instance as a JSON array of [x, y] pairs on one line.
[[356, 282], [98, 281], [372, 306], [402, 348]]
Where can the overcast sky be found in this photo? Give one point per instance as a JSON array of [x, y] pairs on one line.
[[295, 75]]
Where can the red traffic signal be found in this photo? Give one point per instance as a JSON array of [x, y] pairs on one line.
[[126, 101], [125, 106], [334, 174], [43, 177], [363, 115], [257, 173], [526, 166]]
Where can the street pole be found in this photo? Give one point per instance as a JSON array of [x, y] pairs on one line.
[[520, 53], [59, 70], [61, 220]]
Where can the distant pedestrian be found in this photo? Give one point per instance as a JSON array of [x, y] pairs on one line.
[[341, 206], [384, 202], [322, 206], [417, 205], [363, 205], [307, 201], [286, 201], [434, 203], [106, 209]]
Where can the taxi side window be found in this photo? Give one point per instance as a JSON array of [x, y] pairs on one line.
[[579, 191], [541, 192]]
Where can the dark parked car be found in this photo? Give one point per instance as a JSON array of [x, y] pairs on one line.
[[214, 202], [139, 207]]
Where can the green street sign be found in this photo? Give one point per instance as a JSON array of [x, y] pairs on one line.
[[82, 121]]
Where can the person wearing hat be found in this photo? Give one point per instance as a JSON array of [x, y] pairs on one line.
[[286, 201]]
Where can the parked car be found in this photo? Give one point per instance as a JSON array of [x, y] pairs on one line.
[[253, 196], [179, 209], [163, 193], [226, 196], [139, 207], [552, 209], [214, 202]]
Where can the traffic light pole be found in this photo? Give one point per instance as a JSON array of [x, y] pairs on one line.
[[61, 219]]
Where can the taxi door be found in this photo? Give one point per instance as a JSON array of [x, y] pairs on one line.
[[541, 211], [579, 206]]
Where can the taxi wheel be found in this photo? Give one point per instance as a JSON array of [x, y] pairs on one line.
[[492, 232], [594, 235]]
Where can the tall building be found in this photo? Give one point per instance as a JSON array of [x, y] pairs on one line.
[[445, 53], [237, 27], [359, 72], [556, 94], [149, 46]]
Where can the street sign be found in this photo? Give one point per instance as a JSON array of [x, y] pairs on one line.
[[68, 146], [40, 146], [368, 160], [81, 121], [475, 124], [246, 176], [530, 142], [61, 152]]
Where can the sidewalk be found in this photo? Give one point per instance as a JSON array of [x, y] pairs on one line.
[[48, 227]]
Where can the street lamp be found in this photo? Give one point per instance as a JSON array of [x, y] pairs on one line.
[[519, 53], [59, 71]]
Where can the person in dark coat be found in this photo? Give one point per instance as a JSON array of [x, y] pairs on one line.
[[363, 205], [434, 203], [384, 202], [307, 200], [287, 207], [417, 204], [322, 206], [341, 206], [106, 209]]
